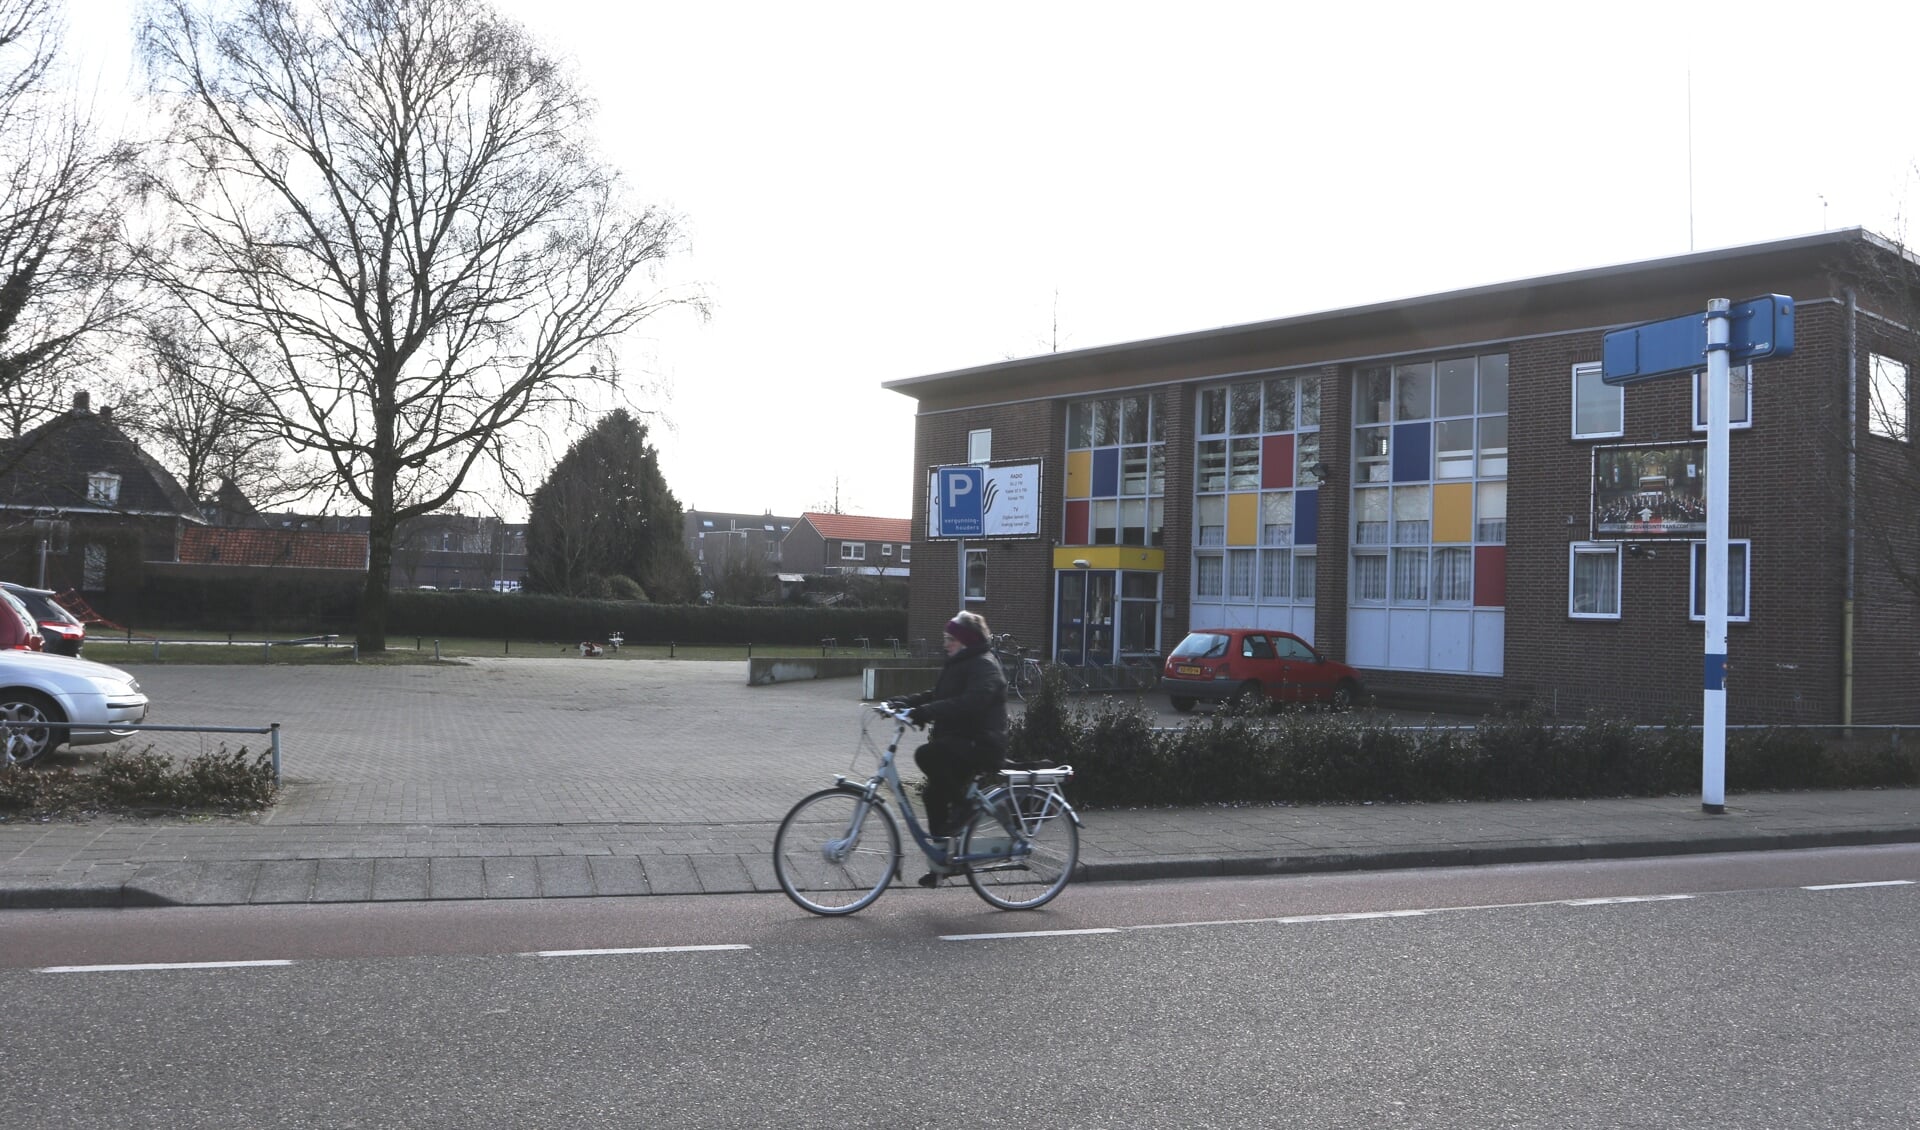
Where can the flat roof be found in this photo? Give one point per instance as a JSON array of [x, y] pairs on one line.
[[1595, 280]]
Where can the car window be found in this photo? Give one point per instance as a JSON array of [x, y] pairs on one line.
[[1294, 649], [1257, 647], [1202, 645]]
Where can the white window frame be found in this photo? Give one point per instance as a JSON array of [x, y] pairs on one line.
[[1697, 559], [886, 550], [1740, 413], [1580, 549], [1888, 380], [906, 554], [980, 446], [853, 551], [103, 488], [1591, 371]]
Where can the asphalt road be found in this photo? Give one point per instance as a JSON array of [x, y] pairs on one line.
[[1715, 990]]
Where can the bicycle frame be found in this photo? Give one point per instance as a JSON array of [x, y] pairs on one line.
[[1019, 842]]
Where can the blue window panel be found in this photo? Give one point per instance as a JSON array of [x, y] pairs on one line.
[[1306, 517], [1106, 472], [1413, 452]]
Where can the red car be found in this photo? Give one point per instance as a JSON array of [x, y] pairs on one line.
[[1243, 664], [18, 629], [60, 630]]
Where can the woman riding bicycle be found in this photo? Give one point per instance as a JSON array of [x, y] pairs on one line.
[[967, 709]]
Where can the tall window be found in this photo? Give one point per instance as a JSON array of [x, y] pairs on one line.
[[1889, 398], [1739, 558], [1429, 475], [1599, 409], [1593, 590], [1116, 472], [1739, 403], [976, 574], [1256, 500], [980, 446]]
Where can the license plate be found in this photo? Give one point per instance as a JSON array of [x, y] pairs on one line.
[[1186, 670]]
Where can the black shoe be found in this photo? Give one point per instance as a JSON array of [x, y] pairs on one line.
[[931, 879]]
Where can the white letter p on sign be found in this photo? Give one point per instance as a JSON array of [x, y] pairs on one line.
[[958, 486]]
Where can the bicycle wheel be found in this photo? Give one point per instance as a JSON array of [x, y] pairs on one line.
[[835, 852], [1026, 683], [1031, 879]]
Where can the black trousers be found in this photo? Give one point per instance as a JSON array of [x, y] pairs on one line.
[[949, 764]]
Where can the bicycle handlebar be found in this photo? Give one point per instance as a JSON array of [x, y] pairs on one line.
[[885, 711]]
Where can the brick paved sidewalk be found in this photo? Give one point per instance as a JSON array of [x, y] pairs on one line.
[[129, 863], [541, 778]]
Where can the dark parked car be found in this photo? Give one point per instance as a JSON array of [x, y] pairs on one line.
[[61, 631], [1245, 664]]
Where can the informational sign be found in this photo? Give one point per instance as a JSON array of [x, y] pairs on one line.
[[984, 502], [1650, 492]]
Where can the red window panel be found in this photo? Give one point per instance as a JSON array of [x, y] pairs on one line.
[[1276, 462], [1490, 576], [1076, 531]]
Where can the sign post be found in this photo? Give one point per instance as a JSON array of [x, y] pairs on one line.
[[958, 493], [1713, 715], [1725, 333]]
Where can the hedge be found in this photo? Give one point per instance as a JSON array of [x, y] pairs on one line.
[[1122, 760], [487, 615]]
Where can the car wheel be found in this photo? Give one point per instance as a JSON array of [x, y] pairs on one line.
[[1344, 695], [28, 743], [1183, 705], [1248, 698]]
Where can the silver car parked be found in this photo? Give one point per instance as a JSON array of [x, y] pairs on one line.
[[54, 700]]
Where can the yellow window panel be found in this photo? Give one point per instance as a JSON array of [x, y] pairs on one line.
[[1453, 512], [1243, 519], [1079, 474]]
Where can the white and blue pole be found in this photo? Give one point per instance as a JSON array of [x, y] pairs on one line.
[[1713, 727]]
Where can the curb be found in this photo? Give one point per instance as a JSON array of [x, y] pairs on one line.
[[118, 896], [1210, 867]]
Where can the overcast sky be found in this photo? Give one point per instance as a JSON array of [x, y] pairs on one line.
[[885, 190]]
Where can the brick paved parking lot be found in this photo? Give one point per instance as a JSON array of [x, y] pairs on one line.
[[494, 741]]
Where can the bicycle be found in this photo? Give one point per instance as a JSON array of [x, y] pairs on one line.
[[838, 850], [1024, 679]]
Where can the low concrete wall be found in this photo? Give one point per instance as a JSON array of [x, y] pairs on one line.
[[882, 683], [762, 670]]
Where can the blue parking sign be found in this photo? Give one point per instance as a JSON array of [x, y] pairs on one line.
[[957, 502]]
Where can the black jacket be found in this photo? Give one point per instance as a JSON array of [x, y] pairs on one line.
[[969, 700]]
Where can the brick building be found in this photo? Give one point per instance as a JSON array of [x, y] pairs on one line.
[[850, 544], [1444, 493]]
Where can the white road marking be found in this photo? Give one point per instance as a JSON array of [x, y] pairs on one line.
[[1623, 898], [635, 949], [1027, 934], [1852, 886], [159, 965], [1352, 916]]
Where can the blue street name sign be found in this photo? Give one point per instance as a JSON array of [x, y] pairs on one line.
[[957, 495], [1758, 327]]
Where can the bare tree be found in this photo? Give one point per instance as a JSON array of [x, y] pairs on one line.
[[206, 420], [61, 262], [396, 198]]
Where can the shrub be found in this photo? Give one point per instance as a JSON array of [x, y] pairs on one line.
[[1234, 758], [219, 782]]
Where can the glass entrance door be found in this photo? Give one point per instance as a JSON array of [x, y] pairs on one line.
[[1084, 617]]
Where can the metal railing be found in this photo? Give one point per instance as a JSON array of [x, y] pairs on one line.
[[272, 729]]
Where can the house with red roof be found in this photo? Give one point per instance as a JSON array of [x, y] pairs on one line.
[[848, 544]]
